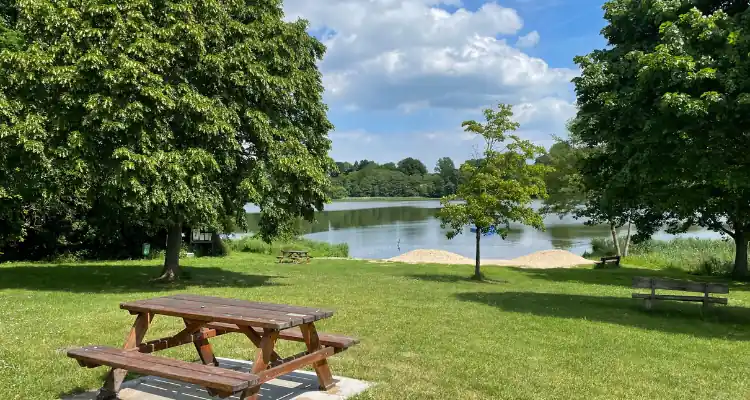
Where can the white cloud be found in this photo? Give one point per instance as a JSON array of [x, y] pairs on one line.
[[549, 113], [531, 39], [391, 54], [410, 56], [540, 122]]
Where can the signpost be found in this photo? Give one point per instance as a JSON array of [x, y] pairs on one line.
[[199, 236]]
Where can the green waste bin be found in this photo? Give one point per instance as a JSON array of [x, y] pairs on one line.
[[146, 249]]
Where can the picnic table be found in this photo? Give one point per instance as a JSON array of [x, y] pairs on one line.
[[206, 317], [294, 256]]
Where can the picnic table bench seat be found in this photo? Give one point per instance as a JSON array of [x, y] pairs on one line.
[[225, 381], [338, 342]]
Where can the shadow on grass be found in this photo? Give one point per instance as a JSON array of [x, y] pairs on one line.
[[725, 322], [619, 276], [454, 279], [94, 278]]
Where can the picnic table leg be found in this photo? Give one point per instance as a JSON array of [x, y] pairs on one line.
[[257, 339], [310, 334], [205, 351], [263, 358], [115, 376]]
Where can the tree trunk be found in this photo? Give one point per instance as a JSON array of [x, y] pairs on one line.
[[477, 271], [740, 254], [627, 240], [614, 238], [172, 257]]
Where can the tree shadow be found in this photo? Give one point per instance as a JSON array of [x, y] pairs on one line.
[[95, 278], [724, 322], [441, 278], [622, 276]]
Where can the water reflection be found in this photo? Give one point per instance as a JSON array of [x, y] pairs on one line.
[[387, 229], [357, 218]]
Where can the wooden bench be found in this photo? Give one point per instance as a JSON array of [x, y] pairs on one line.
[[608, 260], [294, 256], [225, 382], [680, 285], [338, 342]]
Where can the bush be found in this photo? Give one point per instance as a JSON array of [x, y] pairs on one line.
[[714, 266], [251, 244], [603, 247]]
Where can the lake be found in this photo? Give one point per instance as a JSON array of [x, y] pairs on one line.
[[384, 229]]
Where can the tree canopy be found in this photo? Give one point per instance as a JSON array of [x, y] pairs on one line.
[[172, 114], [664, 109], [411, 166], [498, 190]]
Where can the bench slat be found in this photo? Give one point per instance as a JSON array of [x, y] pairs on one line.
[[340, 342], [719, 300], [317, 313], [209, 376], [640, 282], [184, 309]]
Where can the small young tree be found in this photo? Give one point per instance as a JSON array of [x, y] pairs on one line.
[[499, 188]]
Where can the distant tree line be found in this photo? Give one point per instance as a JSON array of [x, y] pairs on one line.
[[407, 178]]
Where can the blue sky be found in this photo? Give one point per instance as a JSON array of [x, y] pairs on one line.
[[401, 75]]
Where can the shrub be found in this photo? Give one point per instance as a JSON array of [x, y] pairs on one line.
[[602, 247]]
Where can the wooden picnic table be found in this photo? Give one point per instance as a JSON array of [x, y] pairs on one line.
[[294, 256], [206, 317]]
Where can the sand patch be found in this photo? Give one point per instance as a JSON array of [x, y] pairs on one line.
[[540, 259]]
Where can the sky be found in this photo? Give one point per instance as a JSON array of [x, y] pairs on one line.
[[401, 76]]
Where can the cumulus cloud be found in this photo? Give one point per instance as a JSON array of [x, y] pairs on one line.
[[390, 54], [408, 56], [530, 39]]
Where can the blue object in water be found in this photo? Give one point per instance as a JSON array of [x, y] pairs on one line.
[[490, 232]]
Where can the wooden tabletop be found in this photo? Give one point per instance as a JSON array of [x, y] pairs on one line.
[[240, 312]]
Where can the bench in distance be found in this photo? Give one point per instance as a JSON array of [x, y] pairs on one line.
[[706, 288]]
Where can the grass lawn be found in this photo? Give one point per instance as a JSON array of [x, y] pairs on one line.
[[427, 332]]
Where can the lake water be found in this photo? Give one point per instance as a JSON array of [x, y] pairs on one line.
[[384, 229]]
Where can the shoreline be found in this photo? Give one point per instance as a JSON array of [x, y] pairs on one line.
[[554, 258]]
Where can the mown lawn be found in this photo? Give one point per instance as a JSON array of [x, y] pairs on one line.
[[427, 332]]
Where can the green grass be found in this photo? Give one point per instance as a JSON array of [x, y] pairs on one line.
[[427, 331], [249, 244]]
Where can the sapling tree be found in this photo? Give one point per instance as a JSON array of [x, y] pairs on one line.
[[498, 189]]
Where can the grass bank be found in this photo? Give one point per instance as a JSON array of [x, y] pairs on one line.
[[697, 256], [383, 199], [249, 244], [427, 332]]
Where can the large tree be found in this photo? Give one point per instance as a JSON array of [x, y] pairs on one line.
[[448, 173], [497, 190], [667, 105], [176, 113]]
